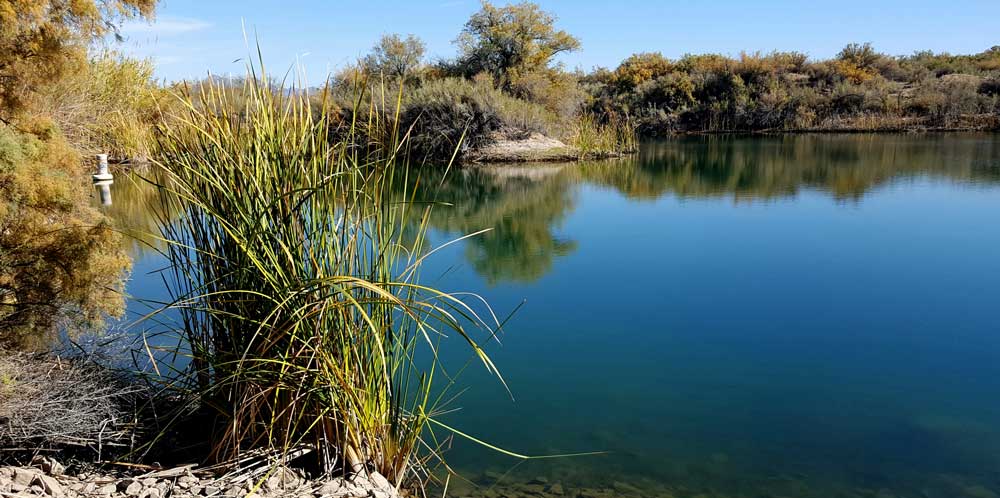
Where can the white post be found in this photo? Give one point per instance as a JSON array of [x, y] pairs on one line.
[[102, 164], [102, 169]]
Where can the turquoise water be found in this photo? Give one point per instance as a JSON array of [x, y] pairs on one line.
[[801, 315]]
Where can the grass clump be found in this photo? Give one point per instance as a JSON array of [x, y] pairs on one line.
[[112, 107], [296, 279], [48, 402], [594, 138]]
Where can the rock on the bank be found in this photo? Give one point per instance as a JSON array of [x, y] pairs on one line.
[[50, 480]]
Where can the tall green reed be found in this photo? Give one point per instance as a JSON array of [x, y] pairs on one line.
[[296, 278], [593, 138]]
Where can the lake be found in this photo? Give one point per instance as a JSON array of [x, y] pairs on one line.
[[797, 315]]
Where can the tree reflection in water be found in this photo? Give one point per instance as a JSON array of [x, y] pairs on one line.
[[526, 205]]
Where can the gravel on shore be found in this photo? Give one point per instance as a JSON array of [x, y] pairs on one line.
[[47, 478]]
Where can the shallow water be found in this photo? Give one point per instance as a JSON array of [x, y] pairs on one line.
[[804, 315]]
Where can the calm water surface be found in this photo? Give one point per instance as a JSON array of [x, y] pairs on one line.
[[779, 316]]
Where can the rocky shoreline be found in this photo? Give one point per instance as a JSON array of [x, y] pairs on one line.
[[47, 478]]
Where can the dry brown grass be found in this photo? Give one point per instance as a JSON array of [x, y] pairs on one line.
[[50, 402]]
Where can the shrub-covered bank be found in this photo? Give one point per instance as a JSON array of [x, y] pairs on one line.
[[858, 90]]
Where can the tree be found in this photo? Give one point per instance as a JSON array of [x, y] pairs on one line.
[[61, 263], [514, 39], [42, 40], [394, 56]]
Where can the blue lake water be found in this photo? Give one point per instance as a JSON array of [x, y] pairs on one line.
[[808, 315]]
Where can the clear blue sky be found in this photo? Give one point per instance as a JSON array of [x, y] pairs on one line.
[[191, 37]]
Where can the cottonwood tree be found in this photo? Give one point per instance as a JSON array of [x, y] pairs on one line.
[[42, 40], [511, 40], [394, 56]]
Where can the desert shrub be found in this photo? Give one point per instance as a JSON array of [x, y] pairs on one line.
[[756, 70], [924, 101], [456, 113], [848, 70], [822, 74], [961, 96], [60, 263], [722, 99], [788, 61], [673, 91], [989, 60], [861, 55], [640, 68], [947, 99], [555, 90], [770, 109], [926, 63], [784, 90], [848, 98], [704, 63], [890, 69], [990, 86], [655, 104], [42, 41], [656, 122]]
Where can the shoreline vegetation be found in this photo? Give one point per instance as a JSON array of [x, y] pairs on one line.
[[310, 343]]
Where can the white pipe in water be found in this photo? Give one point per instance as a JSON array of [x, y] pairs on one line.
[[102, 169]]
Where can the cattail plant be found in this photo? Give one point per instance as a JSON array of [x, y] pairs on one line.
[[295, 274]]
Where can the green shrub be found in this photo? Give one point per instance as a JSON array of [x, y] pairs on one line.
[[786, 91], [455, 113], [555, 90]]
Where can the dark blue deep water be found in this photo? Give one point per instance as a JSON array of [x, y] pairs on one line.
[[783, 316]]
